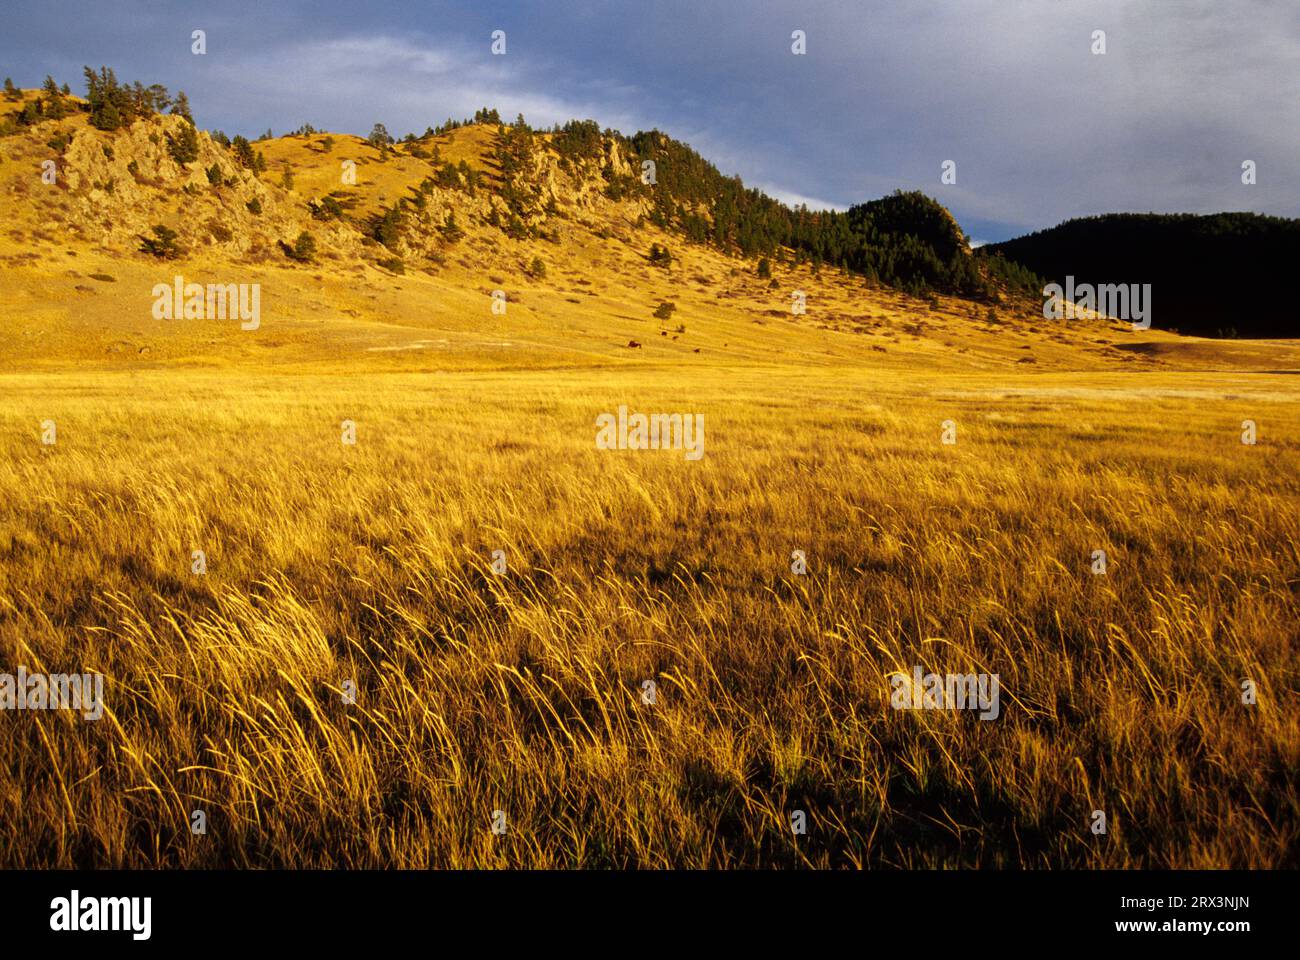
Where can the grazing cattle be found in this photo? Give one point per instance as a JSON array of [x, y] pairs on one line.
[[633, 343]]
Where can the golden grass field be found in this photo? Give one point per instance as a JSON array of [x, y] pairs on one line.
[[522, 693]]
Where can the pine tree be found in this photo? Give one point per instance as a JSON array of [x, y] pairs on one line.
[[184, 145], [55, 107], [110, 104], [93, 94], [244, 153], [30, 113], [181, 107], [107, 117], [12, 92], [157, 99]]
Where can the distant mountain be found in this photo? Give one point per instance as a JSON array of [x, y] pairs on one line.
[[1214, 275]]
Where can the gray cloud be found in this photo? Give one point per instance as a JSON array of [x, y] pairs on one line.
[[1039, 127]]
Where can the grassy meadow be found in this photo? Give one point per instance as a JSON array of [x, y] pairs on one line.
[[352, 682], [522, 693]]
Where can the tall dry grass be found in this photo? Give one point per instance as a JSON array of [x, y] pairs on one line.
[[522, 693]]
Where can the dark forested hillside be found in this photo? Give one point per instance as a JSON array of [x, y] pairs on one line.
[[1215, 275], [905, 240]]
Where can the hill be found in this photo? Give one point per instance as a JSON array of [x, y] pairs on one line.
[[1213, 275], [412, 249]]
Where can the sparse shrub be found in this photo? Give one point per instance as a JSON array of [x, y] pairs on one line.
[[326, 208], [394, 265], [254, 207], [220, 231], [30, 113], [764, 269], [665, 310], [303, 249], [447, 176], [162, 244], [214, 175], [660, 256], [537, 269]]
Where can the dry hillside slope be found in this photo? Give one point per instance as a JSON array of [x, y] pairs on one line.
[[79, 288]]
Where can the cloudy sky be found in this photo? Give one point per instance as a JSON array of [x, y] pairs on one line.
[[1040, 128]]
